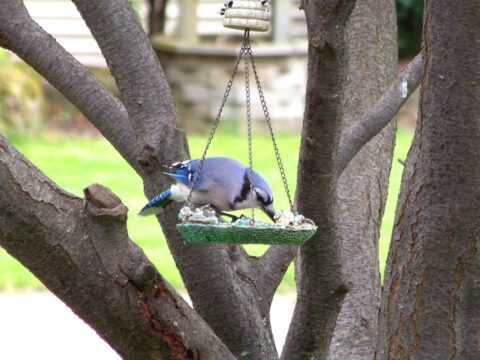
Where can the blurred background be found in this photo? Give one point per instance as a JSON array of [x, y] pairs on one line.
[[197, 54]]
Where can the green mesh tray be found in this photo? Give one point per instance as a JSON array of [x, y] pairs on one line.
[[234, 234]]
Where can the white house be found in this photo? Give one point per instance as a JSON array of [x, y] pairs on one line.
[[61, 19]]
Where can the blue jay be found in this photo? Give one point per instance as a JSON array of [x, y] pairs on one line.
[[223, 183]]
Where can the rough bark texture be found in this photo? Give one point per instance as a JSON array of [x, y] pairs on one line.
[[430, 305], [81, 251], [321, 284], [362, 188], [137, 72]]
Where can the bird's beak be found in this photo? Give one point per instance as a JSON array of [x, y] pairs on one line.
[[269, 211]]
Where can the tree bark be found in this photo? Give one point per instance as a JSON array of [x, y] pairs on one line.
[[430, 301], [362, 188], [321, 284]]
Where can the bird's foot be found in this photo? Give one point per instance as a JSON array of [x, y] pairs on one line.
[[233, 218]]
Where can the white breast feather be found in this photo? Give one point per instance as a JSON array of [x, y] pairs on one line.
[[180, 192], [249, 202]]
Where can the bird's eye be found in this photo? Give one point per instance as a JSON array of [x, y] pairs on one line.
[[260, 198], [268, 200]]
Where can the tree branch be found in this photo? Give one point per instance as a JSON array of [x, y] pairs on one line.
[[321, 282], [362, 188], [272, 267], [384, 110], [135, 67], [81, 251], [23, 36]]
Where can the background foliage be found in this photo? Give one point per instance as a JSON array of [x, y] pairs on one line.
[[22, 100], [409, 19]]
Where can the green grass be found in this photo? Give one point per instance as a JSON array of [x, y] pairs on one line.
[[76, 163], [403, 141]]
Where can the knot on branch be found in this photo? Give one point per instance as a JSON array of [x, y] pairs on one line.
[[147, 159], [3, 44], [342, 290], [142, 276], [102, 202], [318, 42], [326, 21]]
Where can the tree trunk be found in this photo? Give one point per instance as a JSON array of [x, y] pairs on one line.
[[362, 188], [156, 16], [430, 302], [321, 284]]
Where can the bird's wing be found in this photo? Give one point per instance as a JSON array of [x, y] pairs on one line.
[[180, 177], [221, 177], [225, 177]]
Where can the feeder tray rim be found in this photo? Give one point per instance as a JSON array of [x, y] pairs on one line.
[[256, 225], [196, 233]]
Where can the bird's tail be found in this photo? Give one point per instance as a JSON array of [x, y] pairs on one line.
[[157, 204]]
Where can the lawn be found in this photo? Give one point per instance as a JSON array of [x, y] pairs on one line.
[[75, 163]]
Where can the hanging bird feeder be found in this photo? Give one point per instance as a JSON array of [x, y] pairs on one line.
[[251, 15], [201, 225]]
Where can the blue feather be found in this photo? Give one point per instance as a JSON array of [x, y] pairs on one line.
[[157, 204], [181, 177], [183, 172]]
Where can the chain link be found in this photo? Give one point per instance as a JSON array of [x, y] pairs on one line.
[[217, 118], [249, 121], [270, 128]]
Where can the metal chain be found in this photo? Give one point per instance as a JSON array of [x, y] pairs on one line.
[[217, 119], [270, 129], [249, 119]]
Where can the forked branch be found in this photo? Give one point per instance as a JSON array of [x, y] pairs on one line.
[[81, 251], [207, 271], [143, 130], [273, 265]]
